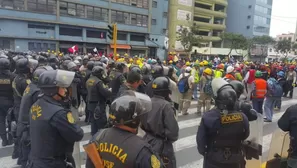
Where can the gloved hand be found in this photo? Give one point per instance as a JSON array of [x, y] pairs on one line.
[[293, 84]]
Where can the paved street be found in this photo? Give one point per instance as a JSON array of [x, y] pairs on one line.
[[185, 148]]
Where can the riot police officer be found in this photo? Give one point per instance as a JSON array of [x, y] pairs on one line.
[[24, 68], [53, 61], [124, 147], [29, 97], [222, 130], [242, 105], [51, 124], [160, 124], [98, 94], [6, 98], [117, 78], [156, 71]]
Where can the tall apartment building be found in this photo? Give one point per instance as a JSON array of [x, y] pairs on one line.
[[249, 17], [40, 25], [208, 15]]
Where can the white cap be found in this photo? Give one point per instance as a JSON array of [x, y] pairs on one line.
[[188, 69], [230, 69]]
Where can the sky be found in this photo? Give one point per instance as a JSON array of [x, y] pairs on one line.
[[284, 17]]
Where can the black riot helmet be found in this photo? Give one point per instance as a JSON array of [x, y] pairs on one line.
[[42, 60], [146, 69], [223, 94], [66, 57], [111, 64], [127, 109], [90, 65], [39, 71], [98, 63], [85, 60], [4, 64], [50, 81], [71, 66], [64, 64], [24, 65], [52, 59], [237, 86], [157, 71], [135, 69], [120, 66], [99, 72], [161, 86]]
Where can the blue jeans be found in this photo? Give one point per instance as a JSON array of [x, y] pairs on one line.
[[257, 104], [268, 107], [278, 103], [195, 91]]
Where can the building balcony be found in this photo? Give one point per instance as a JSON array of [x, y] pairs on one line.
[[210, 25], [210, 38], [221, 2], [201, 11]]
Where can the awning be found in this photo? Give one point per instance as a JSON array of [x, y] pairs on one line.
[[121, 46], [140, 47]]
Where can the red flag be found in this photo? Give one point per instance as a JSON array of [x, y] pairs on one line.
[[73, 49]]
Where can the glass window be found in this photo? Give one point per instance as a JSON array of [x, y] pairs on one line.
[[90, 12], [32, 5], [45, 46], [139, 3], [70, 31], [139, 20], [53, 47], [154, 21], [155, 4], [104, 14], [31, 46], [126, 2], [165, 14], [122, 36], [113, 16], [97, 14], [137, 38], [127, 18], [41, 5], [96, 34], [18, 4], [63, 8], [8, 4], [80, 11], [144, 21], [133, 19], [145, 3]]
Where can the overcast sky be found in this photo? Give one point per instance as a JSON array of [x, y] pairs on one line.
[[284, 17]]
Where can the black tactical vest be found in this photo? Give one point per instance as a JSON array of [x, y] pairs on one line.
[[17, 91], [6, 86], [26, 103], [91, 86], [46, 141], [118, 147], [230, 133], [115, 83]]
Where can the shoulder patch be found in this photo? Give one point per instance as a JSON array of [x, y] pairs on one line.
[[70, 118], [28, 81], [155, 162], [27, 90], [231, 118]]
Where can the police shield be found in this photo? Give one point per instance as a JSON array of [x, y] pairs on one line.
[[278, 151], [253, 144]]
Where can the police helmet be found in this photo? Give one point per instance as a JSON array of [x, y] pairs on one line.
[[24, 65], [111, 64], [39, 71], [120, 66], [146, 69], [135, 69], [71, 66], [85, 60], [223, 94], [98, 71], [52, 59], [161, 84], [4, 64], [3, 55], [157, 71], [90, 65], [64, 64], [50, 81], [104, 60], [42, 60], [127, 109], [237, 86], [66, 57], [98, 63]]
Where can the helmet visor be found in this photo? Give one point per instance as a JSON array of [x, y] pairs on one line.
[[64, 78]]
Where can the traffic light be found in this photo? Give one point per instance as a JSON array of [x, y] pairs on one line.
[[112, 32]]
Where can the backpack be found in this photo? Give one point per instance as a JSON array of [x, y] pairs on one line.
[[274, 88], [208, 88], [183, 84]]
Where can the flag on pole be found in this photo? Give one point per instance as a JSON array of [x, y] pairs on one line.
[[95, 50], [73, 49]]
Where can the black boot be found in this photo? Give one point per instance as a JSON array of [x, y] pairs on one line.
[[4, 140]]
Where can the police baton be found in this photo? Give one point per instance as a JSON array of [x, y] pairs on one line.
[[93, 154]]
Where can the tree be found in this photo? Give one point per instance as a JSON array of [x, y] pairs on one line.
[[235, 41], [284, 47], [188, 37], [262, 42]]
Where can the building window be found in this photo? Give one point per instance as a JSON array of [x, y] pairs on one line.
[[140, 38], [165, 14], [247, 27], [52, 46], [31, 46], [97, 13], [155, 4], [37, 26], [120, 17], [45, 45], [96, 34], [154, 21], [12, 4], [72, 9], [70, 32], [122, 36], [42, 6], [136, 3], [164, 31]]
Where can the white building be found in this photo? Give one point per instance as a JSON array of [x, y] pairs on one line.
[[289, 36]]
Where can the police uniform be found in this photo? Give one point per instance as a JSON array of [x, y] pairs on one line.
[[54, 126], [119, 148], [30, 96], [117, 79], [124, 87], [246, 108], [98, 94], [6, 101]]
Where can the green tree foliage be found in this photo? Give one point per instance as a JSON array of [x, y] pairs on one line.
[[235, 41], [283, 47]]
